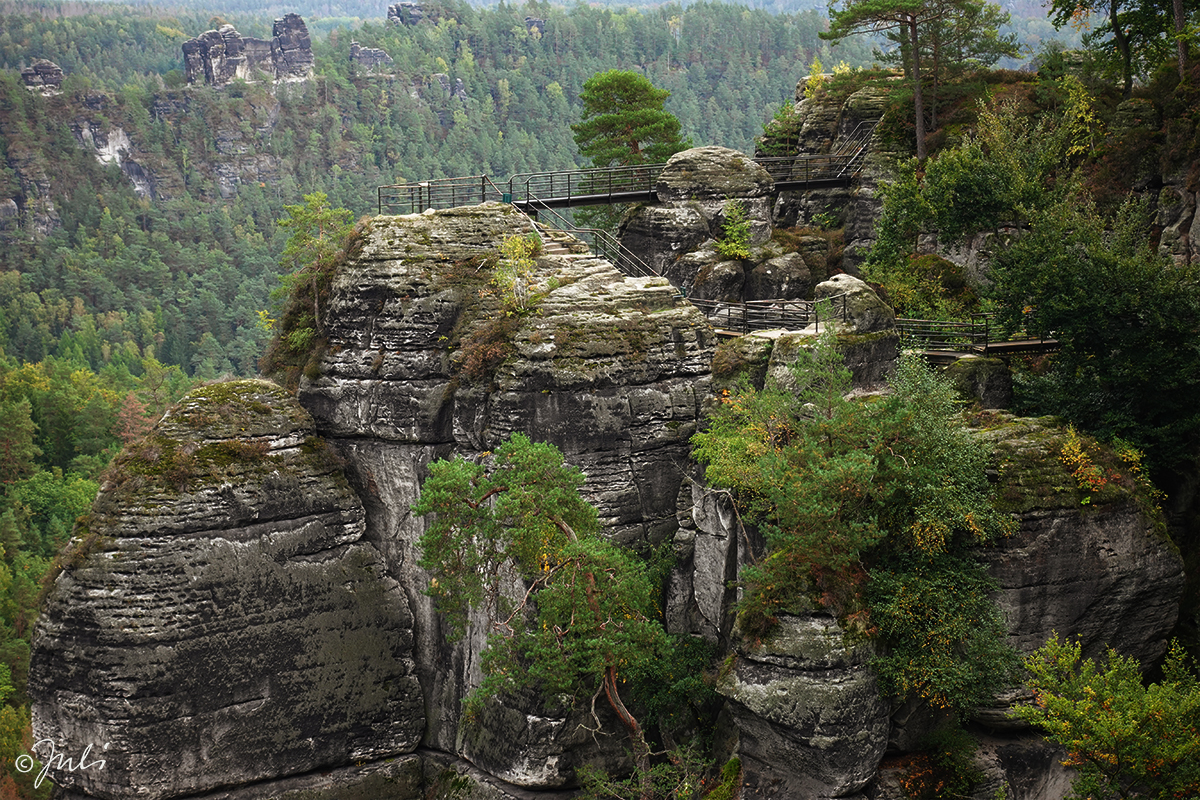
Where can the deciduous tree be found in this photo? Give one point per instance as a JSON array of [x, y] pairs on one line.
[[1125, 738]]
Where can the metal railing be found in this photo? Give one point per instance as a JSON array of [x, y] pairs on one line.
[[764, 315], [603, 244], [609, 183], [925, 334], [439, 193], [979, 335], [805, 169]]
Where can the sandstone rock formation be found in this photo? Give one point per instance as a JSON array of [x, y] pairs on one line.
[[819, 128], [1103, 570], [678, 234], [405, 13], [218, 57], [37, 215], [276, 628], [219, 619], [808, 716], [43, 76], [421, 362], [692, 191], [368, 59]]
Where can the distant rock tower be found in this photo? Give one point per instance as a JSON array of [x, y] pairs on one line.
[[43, 76], [218, 57], [368, 60]]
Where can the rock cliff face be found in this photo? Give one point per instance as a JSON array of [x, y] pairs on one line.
[[237, 620], [678, 234], [218, 57], [820, 127], [421, 362], [220, 619], [1104, 570]]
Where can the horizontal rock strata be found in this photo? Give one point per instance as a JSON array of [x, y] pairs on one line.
[[219, 620]]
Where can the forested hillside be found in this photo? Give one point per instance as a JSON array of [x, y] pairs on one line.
[[139, 244], [183, 272]]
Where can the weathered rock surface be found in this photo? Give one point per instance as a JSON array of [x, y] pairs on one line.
[[810, 721], [43, 76], [612, 370], [986, 381], [1100, 571], [820, 129], [220, 619], [368, 59], [218, 57], [692, 190]]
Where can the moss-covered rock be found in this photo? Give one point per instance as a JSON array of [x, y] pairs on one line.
[[810, 720], [219, 618], [984, 381], [1090, 559]]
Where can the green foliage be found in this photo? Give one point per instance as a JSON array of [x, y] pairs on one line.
[[816, 79], [943, 767], [889, 485], [514, 274], [945, 637], [587, 613], [1008, 173], [623, 121], [731, 779], [322, 239], [1125, 738], [1126, 318], [679, 777], [735, 230]]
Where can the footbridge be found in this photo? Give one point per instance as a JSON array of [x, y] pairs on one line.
[[935, 339], [540, 194], [536, 191]]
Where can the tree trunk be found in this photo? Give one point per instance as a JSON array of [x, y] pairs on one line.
[[1122, 42], [641, 750], [1180, 41], [918, 105]]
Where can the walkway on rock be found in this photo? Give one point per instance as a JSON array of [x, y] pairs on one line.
[[936, 340], [541, 193], [537, 191]]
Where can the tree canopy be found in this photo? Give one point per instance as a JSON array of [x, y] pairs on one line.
[[894, 488], [569, 611], [1124, 737], [624, 122]]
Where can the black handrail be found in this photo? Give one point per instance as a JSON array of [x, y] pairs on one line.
[[760, 315], [608, 184]]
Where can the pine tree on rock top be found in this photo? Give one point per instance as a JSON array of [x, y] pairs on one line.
[[910, 19], [624, 121]]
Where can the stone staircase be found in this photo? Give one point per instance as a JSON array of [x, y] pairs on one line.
[[559, 243]]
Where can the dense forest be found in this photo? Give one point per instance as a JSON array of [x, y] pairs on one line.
[[114, 301], [121, 286]]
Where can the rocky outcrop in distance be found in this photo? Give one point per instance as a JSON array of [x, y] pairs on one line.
[[43, 76], [368, 60], [242, 615], [218, 57], [414, 13]]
